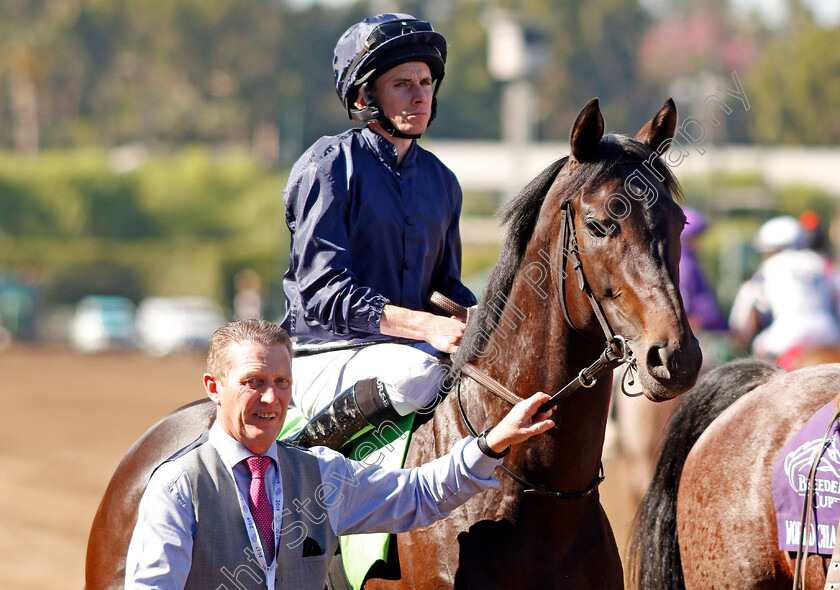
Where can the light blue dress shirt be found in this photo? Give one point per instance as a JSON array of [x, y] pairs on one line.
[[365, 499]]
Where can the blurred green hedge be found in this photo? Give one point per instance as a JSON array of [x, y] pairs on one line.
[[125, 223]]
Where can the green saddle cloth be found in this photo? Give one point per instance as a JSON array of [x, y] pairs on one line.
[[360, 552]]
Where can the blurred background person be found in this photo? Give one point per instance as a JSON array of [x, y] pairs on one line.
[[790, 303], [247, 302], [698, 296], [816, 238]]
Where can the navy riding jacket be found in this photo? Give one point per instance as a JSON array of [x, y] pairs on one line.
[[365, 233]]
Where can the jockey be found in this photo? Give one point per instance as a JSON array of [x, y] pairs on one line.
[[374, 230], [790, 303]]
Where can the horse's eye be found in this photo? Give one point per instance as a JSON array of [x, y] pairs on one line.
[[597, 229]]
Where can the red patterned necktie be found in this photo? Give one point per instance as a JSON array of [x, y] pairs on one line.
[[259, 504]]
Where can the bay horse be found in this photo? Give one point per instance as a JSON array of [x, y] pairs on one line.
[[708, 519], [534, 331]]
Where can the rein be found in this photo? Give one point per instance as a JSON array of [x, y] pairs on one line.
[[530, 487]]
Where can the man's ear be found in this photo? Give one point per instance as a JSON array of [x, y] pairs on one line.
[[211, 386], [365, 90]]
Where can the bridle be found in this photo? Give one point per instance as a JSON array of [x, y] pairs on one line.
[[616, 353]]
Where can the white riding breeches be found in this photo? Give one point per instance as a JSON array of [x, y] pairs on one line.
[[411, 374]]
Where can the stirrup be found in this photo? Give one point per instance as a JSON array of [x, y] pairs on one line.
[[356, 410]]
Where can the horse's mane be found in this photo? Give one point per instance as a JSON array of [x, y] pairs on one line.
[[520, 215]]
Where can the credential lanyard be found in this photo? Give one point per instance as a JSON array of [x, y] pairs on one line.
[[254, 535]]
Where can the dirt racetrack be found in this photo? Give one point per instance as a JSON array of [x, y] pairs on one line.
[[66, 420]]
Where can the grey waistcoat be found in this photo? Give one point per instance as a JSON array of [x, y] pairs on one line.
[[222, 558]]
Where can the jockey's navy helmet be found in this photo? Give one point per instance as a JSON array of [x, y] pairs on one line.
[[372, 47]]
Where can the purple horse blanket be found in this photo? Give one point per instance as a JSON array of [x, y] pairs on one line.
[[790, 480]]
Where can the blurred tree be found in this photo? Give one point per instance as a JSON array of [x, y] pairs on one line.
[[307, 103], [225, 72], [795, 89], [692, 49], [469, 98], [33, 35], [692, 45], [181, 71], [593, 49], [119, 71], [222, 72]]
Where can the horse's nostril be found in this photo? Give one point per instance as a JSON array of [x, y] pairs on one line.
[[657, 361], [664, 357]]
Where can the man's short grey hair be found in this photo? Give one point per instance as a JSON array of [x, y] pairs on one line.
[[261, 331]]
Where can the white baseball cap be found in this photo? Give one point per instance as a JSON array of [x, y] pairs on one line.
[[779, 233]]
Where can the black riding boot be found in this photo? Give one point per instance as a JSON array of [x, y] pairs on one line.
[[358, 408]]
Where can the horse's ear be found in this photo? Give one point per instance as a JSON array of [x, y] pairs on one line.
[[661, 128], [587, 132]]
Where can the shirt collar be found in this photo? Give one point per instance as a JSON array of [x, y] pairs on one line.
[[231, 450], [387, 151]]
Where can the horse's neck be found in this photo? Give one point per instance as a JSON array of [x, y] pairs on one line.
[[539, 351], [533, 345]]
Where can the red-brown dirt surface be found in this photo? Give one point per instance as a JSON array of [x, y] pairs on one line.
[[65, 421]]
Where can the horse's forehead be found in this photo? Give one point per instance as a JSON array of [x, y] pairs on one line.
[[622, 194], [601, 190]]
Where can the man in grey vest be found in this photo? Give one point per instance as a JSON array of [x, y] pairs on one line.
[[237, 509]]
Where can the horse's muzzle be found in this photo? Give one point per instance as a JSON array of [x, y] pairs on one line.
[[670, 369]]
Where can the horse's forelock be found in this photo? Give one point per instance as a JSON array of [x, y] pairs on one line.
[[621, 150]]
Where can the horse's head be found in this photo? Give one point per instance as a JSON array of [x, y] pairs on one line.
[[619, 196]]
